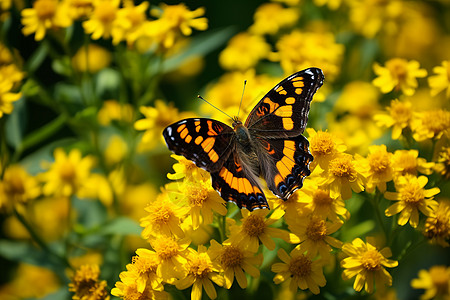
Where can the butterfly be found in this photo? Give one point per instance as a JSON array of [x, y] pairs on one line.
[[269, 145]]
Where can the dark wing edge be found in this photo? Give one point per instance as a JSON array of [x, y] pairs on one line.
[[284, 110], [206, 142], [285, 164]]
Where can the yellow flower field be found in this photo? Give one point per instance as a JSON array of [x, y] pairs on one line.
[[94, 206]]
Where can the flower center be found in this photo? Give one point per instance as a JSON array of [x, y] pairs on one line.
[[254, 225], [106, 13], [197, 195], [440, 278], [406, 162], [398, 68], [231, 257], [412, 194], [45, 9], [379, 161], [342, 167], [162, 215], [136, 18], [322, 144], [14, 185], [145, 265], [371, 260], [322, 198], [200, 266], [436, 121], [67, 171], [316, 229], [400, 112], [300, 266], [166, 248]]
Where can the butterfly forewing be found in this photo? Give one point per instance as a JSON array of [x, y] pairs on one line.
[[206, 142], [283, 111]]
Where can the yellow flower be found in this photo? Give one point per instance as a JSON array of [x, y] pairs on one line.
[[127, 288], [300, 271], [324, 146], [431, 124], [144, 266], [443, 163], [112, 110], [200, 272], [367, 264], [200, 198], [234, 261], [6, 97], [92, 58], [129, 22], [163, 218], [380, 170], [80, 8], [255, 228], [116, 150], [314, 233], [398, 74], [67, 174], [156, 119], [343, 175], [437, 226], [299, 50], [411, 196], [441, 81], [172, 256], [186, 168], [243, 52], [17, 186], [100, 22], [399, 117], [86, 284], [269, 18], [408, 162], [320, 202], [178, 18], [435, 282], [332, 4], [44, 15], [358, 98]]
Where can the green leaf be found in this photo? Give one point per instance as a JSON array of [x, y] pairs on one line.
[[27, 253], [107, 81], [122, 226], [15, 124], [360, 229], [36, 59]]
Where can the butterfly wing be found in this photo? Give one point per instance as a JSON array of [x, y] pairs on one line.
[[285, 163], [206, 142], [235, 184], [283, 111]]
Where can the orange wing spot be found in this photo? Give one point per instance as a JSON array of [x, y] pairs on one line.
[[273, 105], [247, 186], [184, 133], [211, 130], [234, 183], [298, 83], [289, 149], [256, 189], [208, 144], [229, 177], [298, 91], [281, 167], [241, 188], [182, 127], [290, 100], [198, 140], [288, 124], [284, 111], [213, 156], [278, 179], [283, 92], [188, 139], [288, 162]]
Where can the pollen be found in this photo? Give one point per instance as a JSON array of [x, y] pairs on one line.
[[45, 9], [322, 198], [300, 266], [162, 215], [197, 195], [67, 171], [342, 166], [145, 265], [254, 225], [165, 247], [379, 161], [401, 112], [200, 266], [322, 144], [107, 13], [371, 260], [412, 194], [316, 230], [231, 257]]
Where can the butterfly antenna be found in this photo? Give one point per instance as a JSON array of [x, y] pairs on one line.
[[242, 97], [200, 97]]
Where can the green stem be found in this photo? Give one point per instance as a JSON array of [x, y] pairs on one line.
[[41, 243], [375, 202], [222, 227]]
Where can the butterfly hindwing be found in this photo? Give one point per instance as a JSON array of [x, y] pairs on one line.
[[234, 184], [206, 142], [287, 166], [283, 111]]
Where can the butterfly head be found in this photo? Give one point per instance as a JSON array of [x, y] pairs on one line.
[[236, 122]]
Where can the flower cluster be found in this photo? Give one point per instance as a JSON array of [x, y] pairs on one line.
[[89, 193]]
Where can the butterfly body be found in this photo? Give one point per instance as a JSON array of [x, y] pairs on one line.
[[269, 145]]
